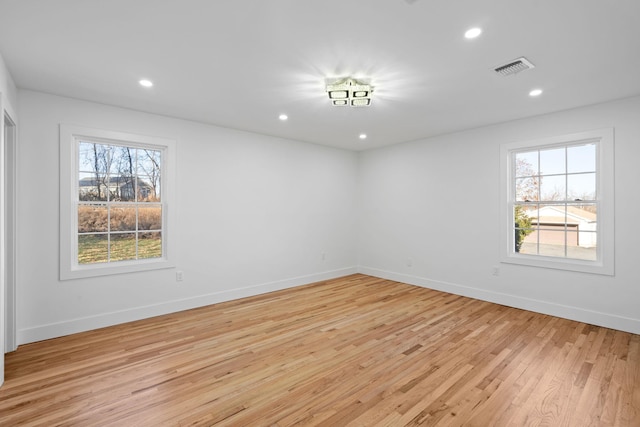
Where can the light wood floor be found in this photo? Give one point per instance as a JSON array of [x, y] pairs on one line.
[[356, 351]]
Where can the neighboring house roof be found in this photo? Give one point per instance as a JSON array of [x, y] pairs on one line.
[[557, 215], [114, 180]]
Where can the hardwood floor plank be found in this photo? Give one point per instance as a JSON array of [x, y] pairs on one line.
[[356, 351]]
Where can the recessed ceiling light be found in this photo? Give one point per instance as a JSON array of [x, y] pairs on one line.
[[473, 33], [363, 136], [283, 117], [535, 92], [146, 83]]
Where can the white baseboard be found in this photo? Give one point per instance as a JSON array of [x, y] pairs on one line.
[[53, 330], [567, 312]]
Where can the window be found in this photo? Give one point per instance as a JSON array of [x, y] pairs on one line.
[[114, 202], [558, 209]]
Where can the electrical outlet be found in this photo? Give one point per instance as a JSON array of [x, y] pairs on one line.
[[323, 256], [409, 262], [179, 276], [495, 271]]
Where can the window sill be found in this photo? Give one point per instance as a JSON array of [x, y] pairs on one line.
[[108, 269], [567, 264]]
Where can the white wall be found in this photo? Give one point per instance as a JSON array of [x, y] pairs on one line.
[[436, 201], [255, 213], [8, 88]]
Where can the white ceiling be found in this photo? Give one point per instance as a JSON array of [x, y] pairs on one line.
[[241, 63]]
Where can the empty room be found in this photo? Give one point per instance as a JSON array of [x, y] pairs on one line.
[[319, 213]]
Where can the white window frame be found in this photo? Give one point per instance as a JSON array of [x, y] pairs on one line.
[[70, 135], [604, 139]]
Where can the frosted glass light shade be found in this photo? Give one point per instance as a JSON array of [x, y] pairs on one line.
[[351, 92]]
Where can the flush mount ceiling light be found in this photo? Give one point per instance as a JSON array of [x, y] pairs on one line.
[[348, 91]]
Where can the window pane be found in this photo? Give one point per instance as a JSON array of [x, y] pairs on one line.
[[584, 216], [552, 241], [585, 219], [587, 212], [527, 163], [527, 189], [526, 240], [529, 245], [582, 186], [149, 162], [523, 214], [150, 245], [93, 157], [553, 188], [149, 217], [581, 158], [551, 234], [550, 215], [123, 217], [123, 247], [92, 248], [552, 161], [92, 218], [147, 190], [523, 228], [122, 188], [85, 156], [91, 187], [585, 247], [149, 168], [123, 161]]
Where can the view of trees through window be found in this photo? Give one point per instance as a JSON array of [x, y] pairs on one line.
[[119, 203], [555, 201]]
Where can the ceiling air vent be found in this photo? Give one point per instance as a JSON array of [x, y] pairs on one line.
[[514, 67]]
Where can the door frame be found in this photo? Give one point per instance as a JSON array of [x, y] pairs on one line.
[[10, 218], [8, 147]]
